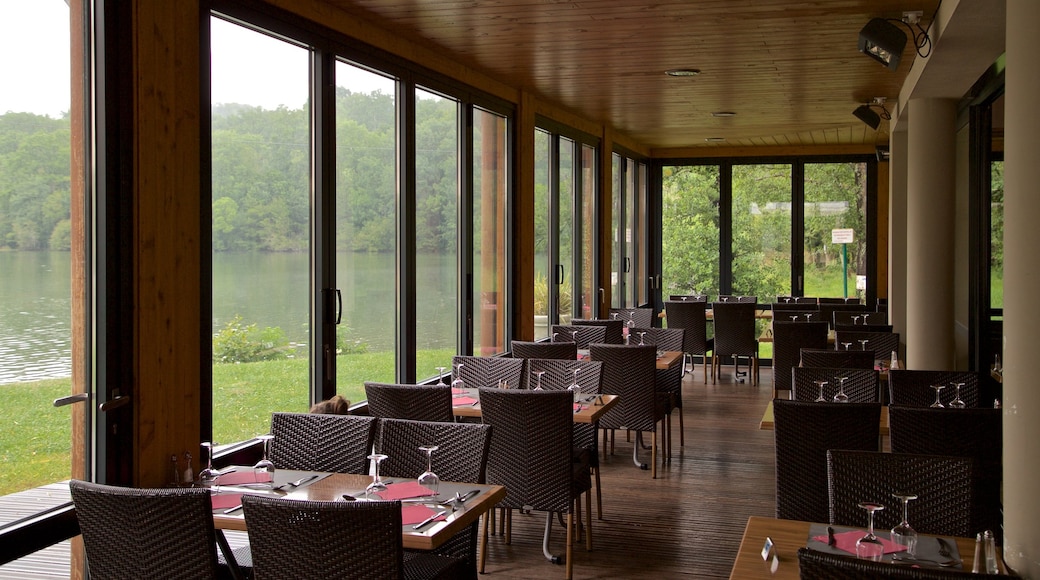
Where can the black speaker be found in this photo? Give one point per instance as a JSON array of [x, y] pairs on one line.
[[867, 115], [882, 41], [882, 152]]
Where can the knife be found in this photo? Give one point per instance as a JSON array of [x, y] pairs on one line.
[[428, 520]]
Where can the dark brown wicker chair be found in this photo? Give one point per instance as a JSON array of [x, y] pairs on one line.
[[668, 380], [738, 298], [803, 433], [691, 317], [559, 350], [532, 455], [615, 333], [487, 371], [814, 565], [799, 314], [837, 359], [828, 308], [914, 387], [149, 533], [462, 452], [314, 442], [975, 433], [630, 373], [943, 484], [862, 385], [586, 335], [415, 402], [329, 539], [789, 338], [735, 337], [858, 318], [863, 328], [641, 317], [794, 304], [882, 344]]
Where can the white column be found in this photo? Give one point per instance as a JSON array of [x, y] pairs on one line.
[[930, 212], [1021, 282]]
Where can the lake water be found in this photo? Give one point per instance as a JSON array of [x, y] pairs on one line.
[[265, 289]]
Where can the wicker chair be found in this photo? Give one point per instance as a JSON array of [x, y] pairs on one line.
[[738, 298], [462, 452], [668, 380], [943, 485], [862, 385], [803, 433], [800, 314], [863, 328], [789, 338], [557, 350], [828, 308], [858, 318], [149, 533], [794, 304], [586, 335], [532, 456], [914, 387], [882, 344], [415, 402], [975, 433], [334, 539], [691, 317], [313, 442], [814, 565], [487, 371], [615, 333], [837, 359], [630, 373], [640, 317], [735, 336]]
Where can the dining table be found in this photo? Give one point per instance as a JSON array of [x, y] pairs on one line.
[[768, 422], [591, 407], [788, 536], [417, 503]]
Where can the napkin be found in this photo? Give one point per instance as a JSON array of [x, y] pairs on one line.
[[463, 401], [846, 542], [405, 490], [226, 500], [412, 514], [238, 477]]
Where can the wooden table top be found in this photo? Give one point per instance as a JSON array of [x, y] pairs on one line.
[[589, 412], [767, 422], [332, 486], [788, 536]]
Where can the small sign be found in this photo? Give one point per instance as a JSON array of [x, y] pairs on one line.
[[767, 548], [842, 236], [775, 564], [861, 282]]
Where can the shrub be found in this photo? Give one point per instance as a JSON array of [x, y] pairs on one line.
[[239, 343]]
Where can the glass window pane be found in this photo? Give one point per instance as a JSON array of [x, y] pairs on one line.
[[490, 176], [762, 231], [366, 226], [542, 269], [996, 230], [436, 236], [641, 251], [630, 234], [566, 229], [690, 230], [835, 198], [616, 299], [261, 234], [586, 266]]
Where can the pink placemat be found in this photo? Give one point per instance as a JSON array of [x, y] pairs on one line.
[[846, 542], [226, 500], [237, 477], [405, 490], [579, 406], [415, 513], [463, 401], [456, 391]]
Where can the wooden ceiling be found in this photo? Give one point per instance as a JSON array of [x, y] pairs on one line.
[[790, 71]]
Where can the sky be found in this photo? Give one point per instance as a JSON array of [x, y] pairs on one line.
[[248, 68]]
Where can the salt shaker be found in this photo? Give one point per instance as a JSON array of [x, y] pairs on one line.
[[977, 564], [990, 550]]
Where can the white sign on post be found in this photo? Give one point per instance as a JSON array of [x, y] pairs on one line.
[[842, 236]]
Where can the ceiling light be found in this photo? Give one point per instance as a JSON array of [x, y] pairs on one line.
[[723, 114], [714, 139], [882, 41], [866, 113], [683, 72]]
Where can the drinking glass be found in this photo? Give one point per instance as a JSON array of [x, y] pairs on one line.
[[903, 534], [840, 396], [457, 383], [440, 377], [957, 402], [937, 404], [538, 382], [265, 467], [209, 475], [846, 345], [377, 484], [428, 478], [863, 343], [821, 398], [869, 547], [575, 387]]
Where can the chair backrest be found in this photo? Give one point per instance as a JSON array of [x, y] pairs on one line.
[[146, 533], [668, 339], [689, 316], [559, 350], [858, 318], [828, 307], [795, 304], [415, 402], [863, 328], [735, 328], [803, 433], [643, 317], [324, 539], [800, 314], [586, 335], [837, 359], [789, 338], [738, 298], [315, 442], [629, 371], [861, 385], [817, 565], [689, 297], [615, 333], [882, 344], [943, 485], [461, 455], [531, 446], [487, 371], [914, 387], [975, 433], [559, 374]]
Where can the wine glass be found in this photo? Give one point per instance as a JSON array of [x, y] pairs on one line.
[[440, 377], [846, 345], [457, 383], [903, 534], [428, 478], [863, 343], [725, 298], [957, 402], [869, 547], [808, 316], [574, 336], [642, 337], [377, 484], [264, 469], [575, 387], [821, 398], [840, 396], [538, 382], [937, 404], [209, 475], [794, 318], [855, 319], [554, 335]]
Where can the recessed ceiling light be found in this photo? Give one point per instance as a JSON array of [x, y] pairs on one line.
[[714, 139], [723, 114], [683, 72]]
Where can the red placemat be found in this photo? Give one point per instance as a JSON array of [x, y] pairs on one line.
[[457, 391], [412, 514], [405, 490], [237, 477], [463, 401], [579, 406], [226, 500], [846, 542]]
